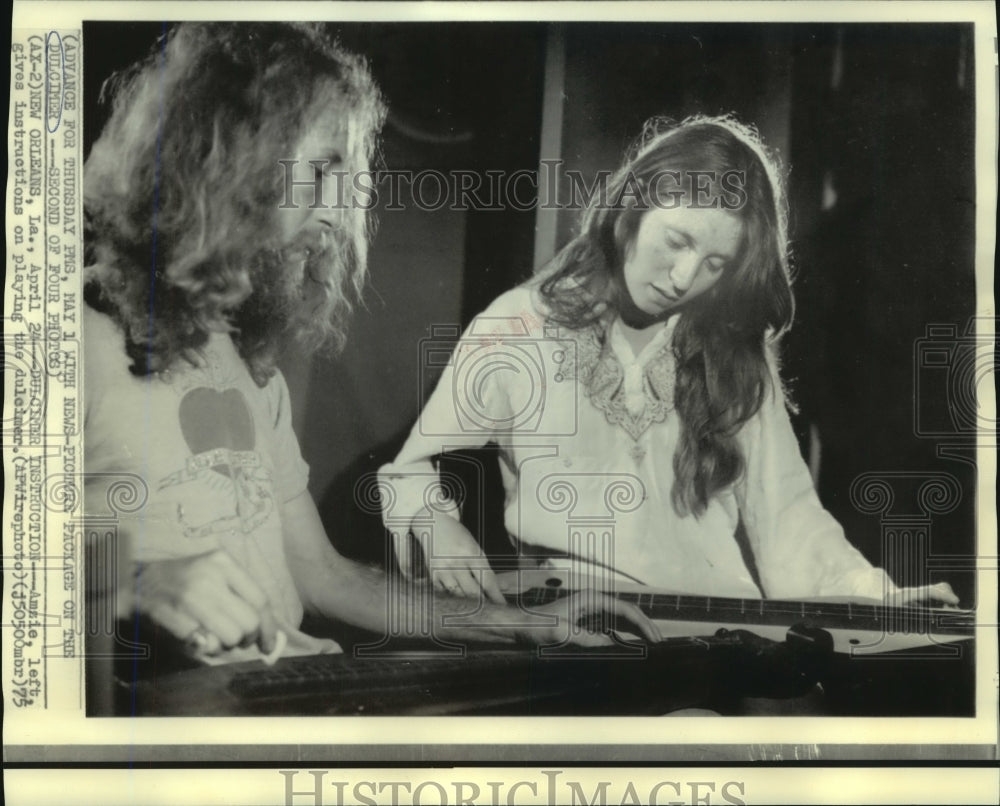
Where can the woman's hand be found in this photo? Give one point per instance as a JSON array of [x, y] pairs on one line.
[[209, 598], [456, 563], [930, 595], [586, 618]]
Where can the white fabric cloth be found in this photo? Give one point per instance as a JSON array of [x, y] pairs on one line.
[[217, 456], [587, 436]]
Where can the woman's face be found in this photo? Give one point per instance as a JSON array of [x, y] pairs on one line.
[[679, 253]]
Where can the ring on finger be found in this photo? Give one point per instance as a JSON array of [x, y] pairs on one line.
[[198, 640]]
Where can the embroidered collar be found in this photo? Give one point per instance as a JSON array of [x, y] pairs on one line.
[[635, 397]]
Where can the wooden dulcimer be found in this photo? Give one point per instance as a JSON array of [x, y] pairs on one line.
[[851, 627]]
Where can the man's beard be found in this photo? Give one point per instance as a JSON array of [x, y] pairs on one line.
[[300, 294]]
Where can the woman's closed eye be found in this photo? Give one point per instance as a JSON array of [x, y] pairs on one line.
[[676, 241]]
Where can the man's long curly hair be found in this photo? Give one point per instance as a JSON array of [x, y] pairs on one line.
[[722, 339], [182, 188]]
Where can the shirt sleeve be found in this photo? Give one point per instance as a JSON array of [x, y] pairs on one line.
[[469, 407], [290, 470], [800, 549]]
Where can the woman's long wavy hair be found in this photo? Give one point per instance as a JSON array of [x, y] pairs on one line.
[[722, 338], [182, 188]]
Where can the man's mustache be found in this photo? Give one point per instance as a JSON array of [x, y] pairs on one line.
[[306, 245], [311, 253]]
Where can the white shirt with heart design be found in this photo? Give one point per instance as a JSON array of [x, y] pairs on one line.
[[212, 454]]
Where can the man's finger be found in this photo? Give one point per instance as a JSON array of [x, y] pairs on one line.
[[268, 631], [265, 631], [246, 617], [243, 585], [177, 623], [182, 626], [213, 615]]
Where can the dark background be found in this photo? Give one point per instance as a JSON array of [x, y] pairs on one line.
[[875, 122]]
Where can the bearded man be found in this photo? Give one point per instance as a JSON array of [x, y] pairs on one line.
[[208, 261]]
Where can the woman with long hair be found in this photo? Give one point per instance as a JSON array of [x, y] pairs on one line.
[[633, 389]]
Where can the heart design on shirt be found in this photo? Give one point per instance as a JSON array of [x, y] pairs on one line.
[[211, 419]]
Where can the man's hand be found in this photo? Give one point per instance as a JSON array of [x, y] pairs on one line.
[[207, 595], [456, 563], [582, 612], [334, 586]]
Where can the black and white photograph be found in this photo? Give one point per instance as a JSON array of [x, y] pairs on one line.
[[640, 317], [607, 370]]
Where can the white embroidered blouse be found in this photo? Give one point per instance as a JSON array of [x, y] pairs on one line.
[[587, 434]]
